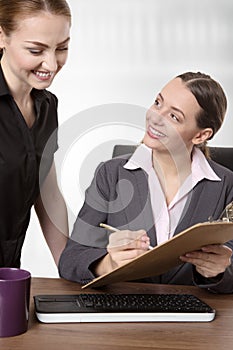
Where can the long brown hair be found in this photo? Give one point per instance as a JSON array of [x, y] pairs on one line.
[[211, 98], [11, 11]]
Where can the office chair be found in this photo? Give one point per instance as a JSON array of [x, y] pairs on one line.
[[221, 155]]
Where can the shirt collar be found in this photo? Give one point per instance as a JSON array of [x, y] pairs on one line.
[[4, 90], [141, 158], [200, 168]]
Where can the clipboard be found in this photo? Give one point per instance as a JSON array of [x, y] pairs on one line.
[[166, 255]]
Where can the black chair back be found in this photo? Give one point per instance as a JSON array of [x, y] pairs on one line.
[[221, 155]]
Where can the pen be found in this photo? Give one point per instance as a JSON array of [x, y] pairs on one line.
[[114, 229]]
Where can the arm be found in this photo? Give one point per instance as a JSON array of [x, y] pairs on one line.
[[52, 214], [211, 260], [213, 267], [83, 258], [88, 241], [123, 247], [83, 262]]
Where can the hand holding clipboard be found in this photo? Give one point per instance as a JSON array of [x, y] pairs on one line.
[[167, 255]]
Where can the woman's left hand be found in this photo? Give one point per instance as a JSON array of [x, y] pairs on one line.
[[211, 260]]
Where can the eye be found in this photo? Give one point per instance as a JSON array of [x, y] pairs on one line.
[[157, 102], [174, 117], [62, 48], [35, 51]]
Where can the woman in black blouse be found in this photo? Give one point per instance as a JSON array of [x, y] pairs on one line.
[[34, 38]]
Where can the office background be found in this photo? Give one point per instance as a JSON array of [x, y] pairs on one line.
[[121, 53]]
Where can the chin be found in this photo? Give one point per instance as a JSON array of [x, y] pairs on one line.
[[150, 143], [42, 85]]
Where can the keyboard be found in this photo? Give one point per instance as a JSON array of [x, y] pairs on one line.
[[122, 308]]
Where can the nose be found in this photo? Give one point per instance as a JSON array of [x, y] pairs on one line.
[[50, 62], [156, 115]]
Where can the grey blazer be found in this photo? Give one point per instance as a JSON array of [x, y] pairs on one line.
[[120, 198]]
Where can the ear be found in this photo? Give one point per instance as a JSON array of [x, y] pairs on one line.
[[2, 38], [202, 136]]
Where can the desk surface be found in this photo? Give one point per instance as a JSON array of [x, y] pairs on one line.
[[217, 334]]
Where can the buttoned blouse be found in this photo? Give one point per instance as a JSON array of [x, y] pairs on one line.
[[21, 168]]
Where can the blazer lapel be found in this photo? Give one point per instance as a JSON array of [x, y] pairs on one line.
[[201, 205], [141, 204]]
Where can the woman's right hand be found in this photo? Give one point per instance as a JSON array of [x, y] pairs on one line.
[[123, 247]]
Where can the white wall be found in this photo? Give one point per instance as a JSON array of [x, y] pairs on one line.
[[122, 52]]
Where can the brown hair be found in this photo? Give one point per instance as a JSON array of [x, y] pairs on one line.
[[211, 98], [12, 10]]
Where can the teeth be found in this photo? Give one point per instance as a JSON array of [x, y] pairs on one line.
[[43, 75], [155, 132]]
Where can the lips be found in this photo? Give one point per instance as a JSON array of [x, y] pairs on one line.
[[155, 133], [43, 75]]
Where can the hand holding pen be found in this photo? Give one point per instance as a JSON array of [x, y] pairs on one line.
[[123, 247], [129, 237]]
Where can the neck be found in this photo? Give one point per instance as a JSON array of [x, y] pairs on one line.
[[172, 163], [19, 90], [172, 171]]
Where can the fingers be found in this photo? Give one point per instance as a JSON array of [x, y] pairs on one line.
[[126, 245], [211, 253], [218, 249], [123, 256], [129, 240], [210, 260]]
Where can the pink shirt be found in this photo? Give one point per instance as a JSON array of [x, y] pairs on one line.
[[166, 217]]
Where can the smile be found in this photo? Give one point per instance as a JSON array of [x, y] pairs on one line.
[[155, 132], [43, 74]]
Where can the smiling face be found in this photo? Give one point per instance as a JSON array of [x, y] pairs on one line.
[[36, 51], [171, 120]]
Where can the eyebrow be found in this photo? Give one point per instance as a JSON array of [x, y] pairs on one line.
[[46, 46], [173, 107]]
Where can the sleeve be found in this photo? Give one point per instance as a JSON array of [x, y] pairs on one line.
[[47, 134], [88, 241], [223, 283]]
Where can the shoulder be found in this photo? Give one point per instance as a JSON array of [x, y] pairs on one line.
[[50, 96], [42, 96], [108, 173], [118, 161], [111, 176], [114, 165]]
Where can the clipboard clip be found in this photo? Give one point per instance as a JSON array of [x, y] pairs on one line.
[[227, 214]]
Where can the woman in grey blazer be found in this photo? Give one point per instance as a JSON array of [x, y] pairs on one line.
[[166, 186]]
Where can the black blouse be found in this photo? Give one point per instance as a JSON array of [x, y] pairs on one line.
[[21, 150]]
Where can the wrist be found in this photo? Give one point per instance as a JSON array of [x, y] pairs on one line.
[[102, 266]]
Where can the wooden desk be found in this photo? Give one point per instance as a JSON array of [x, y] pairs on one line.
[[216, 335]]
